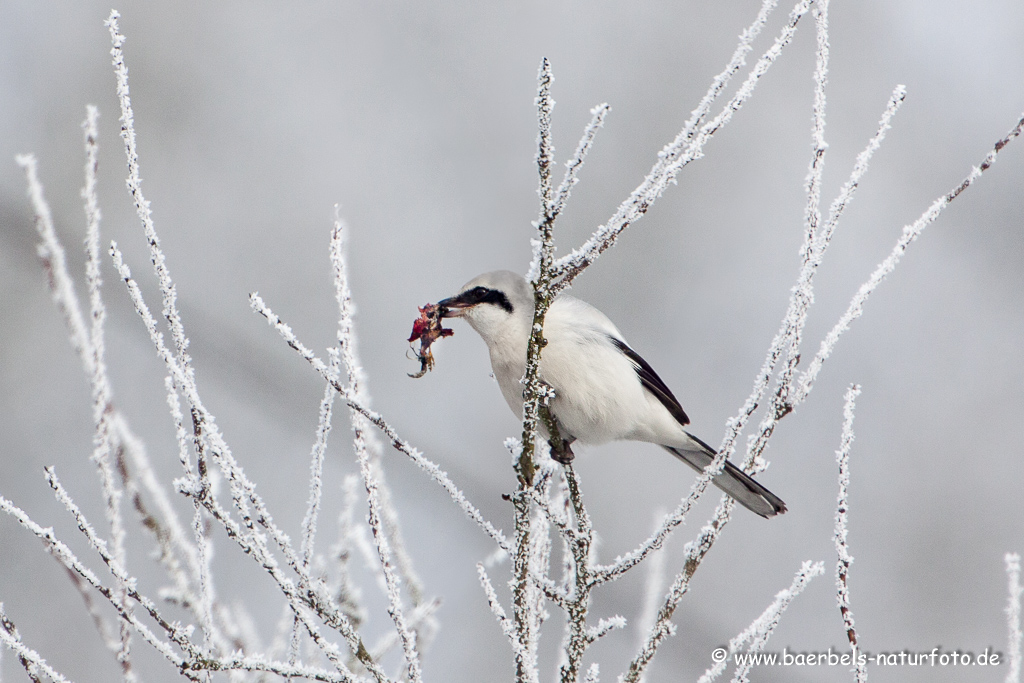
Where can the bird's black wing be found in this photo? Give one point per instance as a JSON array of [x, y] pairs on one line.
[[650, 380]]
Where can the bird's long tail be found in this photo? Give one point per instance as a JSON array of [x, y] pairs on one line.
[[733, 481]]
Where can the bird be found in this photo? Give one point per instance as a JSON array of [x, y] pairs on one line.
[[603, 390]]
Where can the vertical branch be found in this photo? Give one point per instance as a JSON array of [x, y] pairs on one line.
[[167, 289], [535, 390], [540, 268], [142, 208], [197, 481], [803, 293], [170, 312], [389, 516], [538, 566], [841, 531], [346, 342], [580, 543], [791, 335], [105, 441], [316, 468], [1013, 616], [812, 214], [203, 490], [395, 610], [545, 147], [92, 232]]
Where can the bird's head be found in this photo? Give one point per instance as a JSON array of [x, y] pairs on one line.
[[494, 304]]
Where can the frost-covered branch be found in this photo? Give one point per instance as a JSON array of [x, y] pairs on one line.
[[360, 425], [389, 515], [535, 391], [142, 208], [579, 637], [316, 468], [540, 271], [841, 531]]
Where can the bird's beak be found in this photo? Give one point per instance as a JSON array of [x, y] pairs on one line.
[[454, 306]]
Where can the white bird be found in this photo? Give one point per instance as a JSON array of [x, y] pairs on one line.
[[603, 390]]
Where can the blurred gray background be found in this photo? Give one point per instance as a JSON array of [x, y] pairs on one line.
[[418, 118]]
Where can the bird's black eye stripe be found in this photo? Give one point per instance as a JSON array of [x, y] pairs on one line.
[[484, 295]]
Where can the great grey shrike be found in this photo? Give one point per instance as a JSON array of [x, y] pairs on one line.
[[603, 390]]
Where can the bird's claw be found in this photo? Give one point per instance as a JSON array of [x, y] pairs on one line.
[[561, 451]]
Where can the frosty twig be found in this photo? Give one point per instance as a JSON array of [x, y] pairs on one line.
[[841, 531]]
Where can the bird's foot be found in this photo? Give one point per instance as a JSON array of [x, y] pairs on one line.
[[561, 451]]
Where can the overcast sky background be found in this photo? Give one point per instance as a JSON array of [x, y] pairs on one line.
[[254, 119]]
